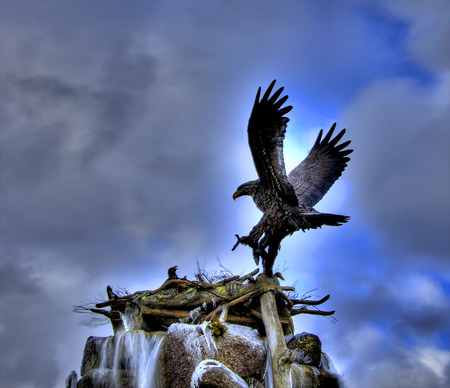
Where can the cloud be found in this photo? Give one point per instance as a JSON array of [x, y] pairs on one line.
[[122, 143], [401, 137]]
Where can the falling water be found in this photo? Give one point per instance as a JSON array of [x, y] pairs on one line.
[[133, 356], [327, 365]]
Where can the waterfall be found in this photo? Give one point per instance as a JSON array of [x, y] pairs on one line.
[[131, 358], [327, 365]]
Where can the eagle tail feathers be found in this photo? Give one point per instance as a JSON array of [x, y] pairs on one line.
[[317, 220]]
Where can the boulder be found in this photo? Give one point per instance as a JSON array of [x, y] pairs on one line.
[[304, 376], [307, 348], [71, 381], [239, 348], [125, 360], [213, 374], [96, 349], [108, 378]]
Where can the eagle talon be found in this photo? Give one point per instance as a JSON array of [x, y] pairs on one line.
[[237, 242], [245, 240]]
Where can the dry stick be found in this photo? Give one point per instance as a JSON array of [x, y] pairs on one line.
[[223, 310], [304, 310], [286, 299], [179, 314], [286, 288], [224, 313], [249, 275], [310, 302], [257, 314], [241, 299], [179, 282], [226, 281], [113, 301], [166, 313], [281, 360]]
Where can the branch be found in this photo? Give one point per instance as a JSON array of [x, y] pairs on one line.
[[310, 302], [286, 288], [304, 310], [290, 304], [249, 276]]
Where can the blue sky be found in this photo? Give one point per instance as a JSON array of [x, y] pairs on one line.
[[123, 137]]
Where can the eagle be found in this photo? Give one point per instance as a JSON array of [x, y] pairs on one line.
[[287, 200]]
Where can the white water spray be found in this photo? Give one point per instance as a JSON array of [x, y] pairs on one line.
[[327, 365], [134, 355]]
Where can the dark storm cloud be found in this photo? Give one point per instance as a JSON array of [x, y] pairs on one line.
[[122, 130]]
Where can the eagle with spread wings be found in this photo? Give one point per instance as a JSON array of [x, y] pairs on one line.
[[287, 200]]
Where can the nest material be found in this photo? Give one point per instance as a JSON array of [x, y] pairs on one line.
[[234, 300]]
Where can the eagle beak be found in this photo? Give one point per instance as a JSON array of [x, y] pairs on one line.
[[236, 195]]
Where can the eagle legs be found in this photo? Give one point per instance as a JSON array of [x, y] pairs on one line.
[[266, 236]]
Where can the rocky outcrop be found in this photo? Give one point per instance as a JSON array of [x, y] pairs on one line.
[[211, 355], [304, 376], [239, 348], [72, 379], [129, 359], [307, 348], [213, 374]]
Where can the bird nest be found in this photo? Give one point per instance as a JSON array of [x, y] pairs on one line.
[[234, 300]]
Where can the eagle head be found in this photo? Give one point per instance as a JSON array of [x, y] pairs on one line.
[[250, 188]]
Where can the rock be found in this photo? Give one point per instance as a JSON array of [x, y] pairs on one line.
[[307, 348], [107, 379], [304, 376], [126, 360], [95, 348], [213, 374], [240, 349], [71, 381]]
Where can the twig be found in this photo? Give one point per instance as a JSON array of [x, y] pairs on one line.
[[311, 302], [304, 310]]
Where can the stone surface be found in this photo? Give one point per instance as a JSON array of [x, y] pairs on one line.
[[304, 376], [93, 352], [107, 379], [240, 349], [307, 348], [213, 374], [71, 381], [234, 358]]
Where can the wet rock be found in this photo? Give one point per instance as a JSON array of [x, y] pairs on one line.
[[107, 379], [71, 381], [92, 354], [127, 359], [240, 349], [307, 348], [213, 374], [304, 376]]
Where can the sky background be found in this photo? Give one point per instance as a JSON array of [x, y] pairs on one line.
[[123, 138]]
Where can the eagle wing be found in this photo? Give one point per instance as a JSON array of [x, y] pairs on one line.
[[326, 161], [266, 129]]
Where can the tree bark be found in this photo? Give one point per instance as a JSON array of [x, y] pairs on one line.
[[281, 355]]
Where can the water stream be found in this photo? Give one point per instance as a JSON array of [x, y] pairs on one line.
[[134, 356]]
